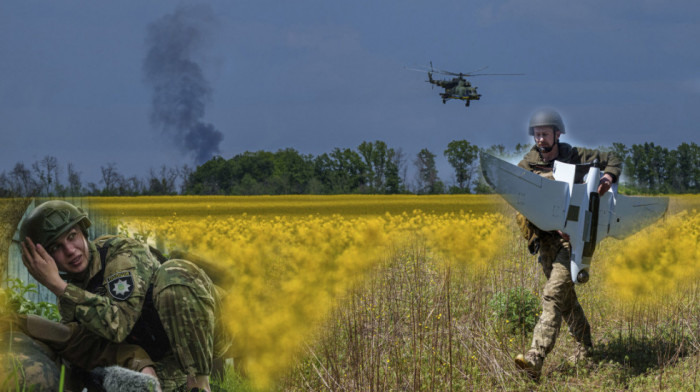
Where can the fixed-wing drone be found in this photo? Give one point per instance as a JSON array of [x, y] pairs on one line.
[[571, 203]]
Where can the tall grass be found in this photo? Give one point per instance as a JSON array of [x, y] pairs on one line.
[[419, 318], [418, 324], [285, 275]]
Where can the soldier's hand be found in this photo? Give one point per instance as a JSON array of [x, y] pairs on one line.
[[151, 372], [42, 266], [564, 235], [605, 184]]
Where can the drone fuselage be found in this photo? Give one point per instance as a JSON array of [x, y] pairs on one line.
[[572, 207]]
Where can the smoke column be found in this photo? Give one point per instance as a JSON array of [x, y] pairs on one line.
[[180, 91]]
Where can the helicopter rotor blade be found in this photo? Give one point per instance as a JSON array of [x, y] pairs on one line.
[[478, 70], [491, 74], [432, 70], [419, 69], [447, 72]]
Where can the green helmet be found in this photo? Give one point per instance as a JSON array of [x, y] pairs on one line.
[[546, 118], [50, 220]]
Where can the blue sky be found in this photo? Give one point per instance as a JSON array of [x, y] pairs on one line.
[[314, 75]]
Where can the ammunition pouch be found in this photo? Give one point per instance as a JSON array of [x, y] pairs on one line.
[[530, 232]]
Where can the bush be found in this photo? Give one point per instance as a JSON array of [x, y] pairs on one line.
[[12, 300], [518, 308]]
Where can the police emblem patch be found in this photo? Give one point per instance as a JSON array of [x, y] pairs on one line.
[[120, 285]]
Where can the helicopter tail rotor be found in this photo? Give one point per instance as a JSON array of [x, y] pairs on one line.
[[430, 76]]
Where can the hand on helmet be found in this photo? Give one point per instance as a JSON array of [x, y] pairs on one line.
[[42, 266]]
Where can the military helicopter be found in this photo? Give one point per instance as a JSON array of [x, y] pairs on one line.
[[459, 87]]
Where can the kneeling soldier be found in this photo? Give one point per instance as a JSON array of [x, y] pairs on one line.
[[118, 289]]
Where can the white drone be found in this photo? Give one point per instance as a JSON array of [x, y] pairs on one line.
[[572, 206]]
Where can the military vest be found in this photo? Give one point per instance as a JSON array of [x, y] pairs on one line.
[[148, 332]]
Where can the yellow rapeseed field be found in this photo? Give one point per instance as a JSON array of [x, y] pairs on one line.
[[287, 260], [293, 205], [658, 261]]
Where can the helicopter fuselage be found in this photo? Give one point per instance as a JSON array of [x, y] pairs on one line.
[[457, 88]]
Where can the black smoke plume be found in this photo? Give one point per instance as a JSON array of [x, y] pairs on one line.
[[180, 91]]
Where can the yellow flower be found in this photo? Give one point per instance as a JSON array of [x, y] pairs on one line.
[[287, 260]]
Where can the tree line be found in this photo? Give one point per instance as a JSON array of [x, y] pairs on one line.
[[372, 168], [648, 168]]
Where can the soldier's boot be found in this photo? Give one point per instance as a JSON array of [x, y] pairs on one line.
[[582, 354], [531, 363]]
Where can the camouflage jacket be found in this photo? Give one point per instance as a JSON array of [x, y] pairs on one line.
[[533, 162], [114, 303], [609, 162]]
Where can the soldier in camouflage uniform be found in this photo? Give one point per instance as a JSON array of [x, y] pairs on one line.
[[27, 364], [559, 299], [119, 291], [32, 350]]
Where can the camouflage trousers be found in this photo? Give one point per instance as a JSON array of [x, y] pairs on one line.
[[187, 303], [559, 301], [27, 364]]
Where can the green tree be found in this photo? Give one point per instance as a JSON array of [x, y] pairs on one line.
[[258, 165], [292, 171], [393, 183], [427, 176], [374, 155], [462, 156], [341, 171], [686, 171], [382, 167], [649, 166], [214, 177]]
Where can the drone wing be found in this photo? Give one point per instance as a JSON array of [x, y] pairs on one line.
[[632, 213], [542, 201]]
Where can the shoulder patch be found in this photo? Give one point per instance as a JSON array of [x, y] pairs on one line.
[[120, 285]]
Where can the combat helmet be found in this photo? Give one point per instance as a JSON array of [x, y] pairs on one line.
[[50, 220], [546, 118]]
